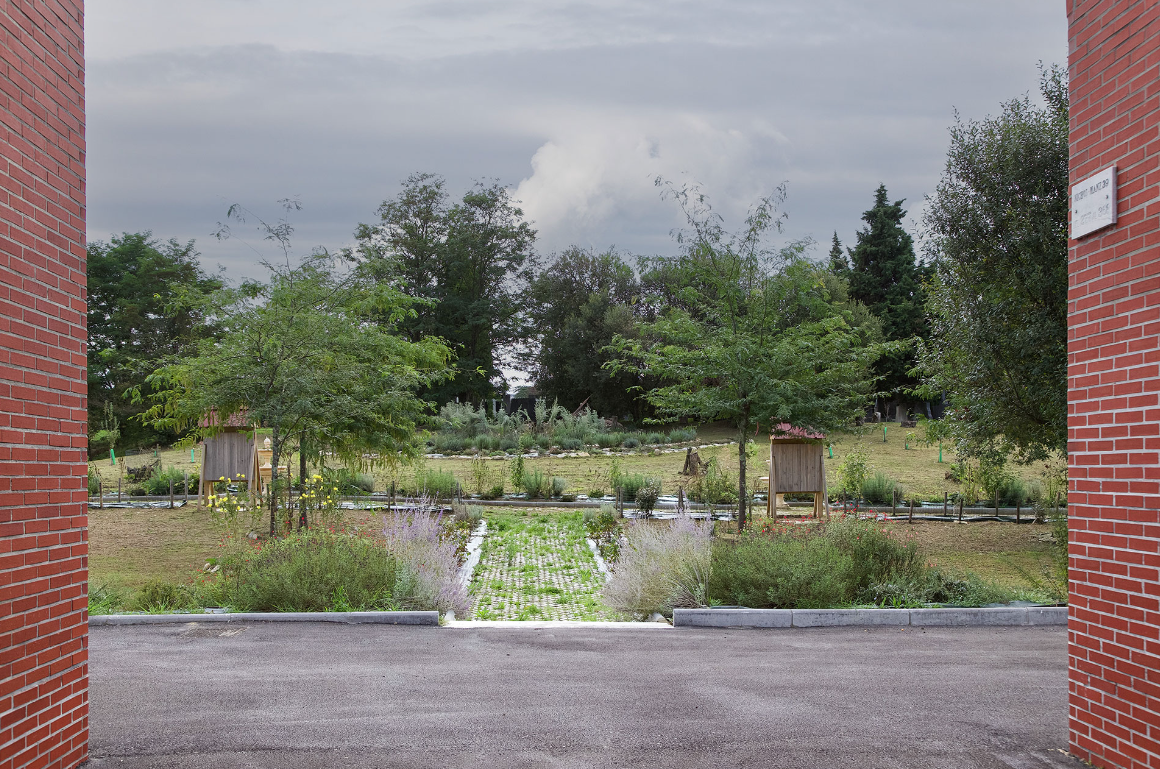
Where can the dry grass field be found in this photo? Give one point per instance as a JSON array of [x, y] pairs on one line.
[[915, 465]]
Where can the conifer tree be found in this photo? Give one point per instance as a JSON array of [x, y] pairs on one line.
[[839, 264], [885, 277]]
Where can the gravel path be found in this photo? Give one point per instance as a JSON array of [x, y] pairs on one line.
[[537, 567]]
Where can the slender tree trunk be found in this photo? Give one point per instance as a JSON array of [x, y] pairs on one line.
[[303, 523], [742, 437], [302, 461], [276, 449]]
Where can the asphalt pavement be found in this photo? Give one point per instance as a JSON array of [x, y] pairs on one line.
[[325, 695]]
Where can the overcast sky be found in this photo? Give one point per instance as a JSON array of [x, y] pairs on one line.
[[577, 106]]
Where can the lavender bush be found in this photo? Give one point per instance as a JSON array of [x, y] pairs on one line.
[[427, 576], [661, 567]]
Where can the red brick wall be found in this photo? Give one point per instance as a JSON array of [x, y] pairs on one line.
[[1114, 389], [43, 539]]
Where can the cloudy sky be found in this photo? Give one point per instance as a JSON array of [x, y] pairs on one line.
[[577, 105]]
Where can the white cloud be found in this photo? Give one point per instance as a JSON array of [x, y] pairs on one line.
[[595, 171], [195, 105]]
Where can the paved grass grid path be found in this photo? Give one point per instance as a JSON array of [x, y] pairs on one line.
[[537, 567]]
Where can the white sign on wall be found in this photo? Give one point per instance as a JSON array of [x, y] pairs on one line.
[[1093, 203]]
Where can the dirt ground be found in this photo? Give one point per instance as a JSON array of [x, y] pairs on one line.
[[128, 547], [1019, 556]]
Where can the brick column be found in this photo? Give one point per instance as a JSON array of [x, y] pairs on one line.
[[1114, 389], [43, 537]]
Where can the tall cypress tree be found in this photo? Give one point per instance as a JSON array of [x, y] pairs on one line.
[[885, 277]]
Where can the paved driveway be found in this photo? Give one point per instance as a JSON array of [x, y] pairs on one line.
[[323, 695]]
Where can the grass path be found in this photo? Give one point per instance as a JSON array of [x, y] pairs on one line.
[[537, 567]]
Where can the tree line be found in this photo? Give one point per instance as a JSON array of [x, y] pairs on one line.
[[441, 295]]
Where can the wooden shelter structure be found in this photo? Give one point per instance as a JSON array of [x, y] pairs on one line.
[[233, 453], [796, 466]]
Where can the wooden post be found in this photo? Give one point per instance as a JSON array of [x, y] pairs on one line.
[[772, 484], [960, 509], [893, 501], [118, 489], [910, 518], [185, 482], [996, 504], [945, 495], [101, 493], [1018, 509]]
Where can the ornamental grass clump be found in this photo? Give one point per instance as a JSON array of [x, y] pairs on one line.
[[428, 571], [879, 488], [660, 567]]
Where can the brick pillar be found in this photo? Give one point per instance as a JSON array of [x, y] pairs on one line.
[[43, 538], [1114, 389]]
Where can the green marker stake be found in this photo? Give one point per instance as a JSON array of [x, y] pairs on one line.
[[884, 433], [113, 456], [831, 447], [191, 459], [940, 452]]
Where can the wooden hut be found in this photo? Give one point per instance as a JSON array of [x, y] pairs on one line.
[[230, 453], [796, 466]]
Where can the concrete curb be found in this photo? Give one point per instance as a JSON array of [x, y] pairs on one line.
[[474, 551], [600, 564], [344, 617], [1011, 616]]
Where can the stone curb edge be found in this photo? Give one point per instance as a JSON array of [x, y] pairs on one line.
[[1017, 616], [344, 617]]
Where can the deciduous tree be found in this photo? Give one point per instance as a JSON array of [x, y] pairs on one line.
[[998, 302], [469, 261], [298, 354], [578, 303], [137, 318], [754, 338]]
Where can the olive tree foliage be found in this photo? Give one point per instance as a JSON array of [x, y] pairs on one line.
[[750, 333], [300, 355], [996, 236]]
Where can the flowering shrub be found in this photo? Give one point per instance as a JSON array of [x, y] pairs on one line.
[[428, 575], [661, 567], [318, 504], [232, 507]]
